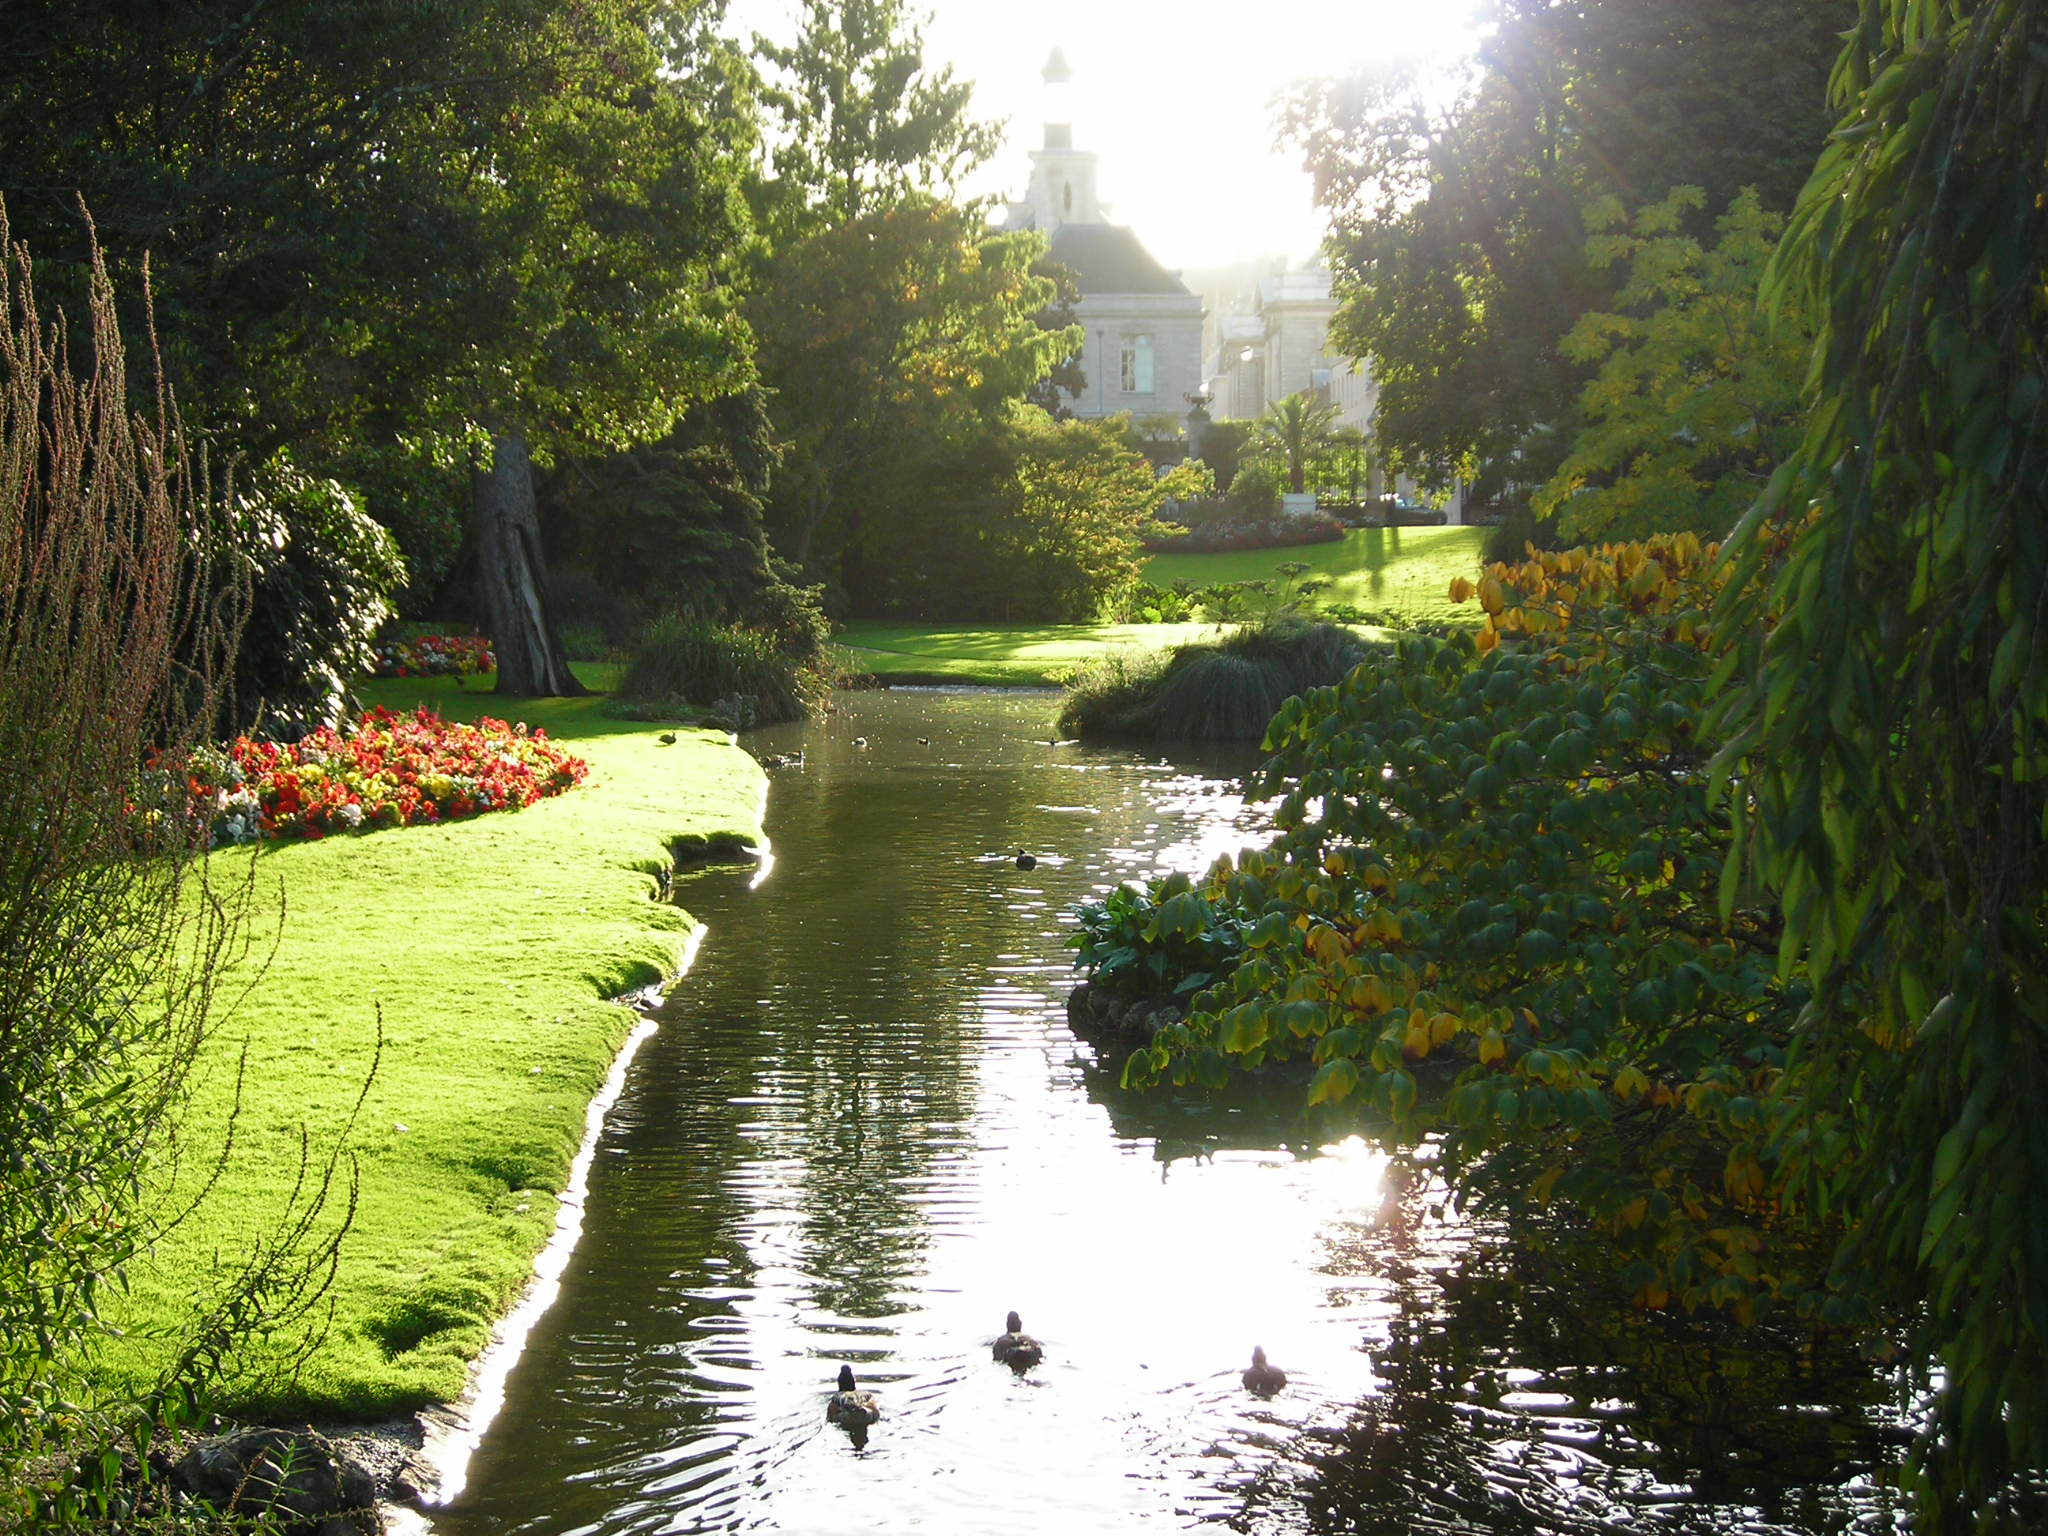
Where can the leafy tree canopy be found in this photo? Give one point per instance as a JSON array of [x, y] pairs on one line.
[[877, 335], [1456, 232], [1696, 400], [860, 121]]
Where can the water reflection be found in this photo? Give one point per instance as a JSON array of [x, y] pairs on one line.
[[864, 1132]]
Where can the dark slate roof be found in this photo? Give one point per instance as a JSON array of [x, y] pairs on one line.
[[1107, 258]]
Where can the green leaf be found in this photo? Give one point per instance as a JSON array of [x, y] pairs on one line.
[[1333, 1081]]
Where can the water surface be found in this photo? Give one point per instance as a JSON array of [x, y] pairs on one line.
[[864, 1132]]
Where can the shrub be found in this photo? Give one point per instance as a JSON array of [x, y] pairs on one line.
[[742, 675], [1219, 536], [115, 633], [324, 577], [1254, 493], [1222, 690], [1172, 939], [1516, 530]]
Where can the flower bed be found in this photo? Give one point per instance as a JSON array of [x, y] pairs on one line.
[[1269, 533], [388, 770], [434, 656]]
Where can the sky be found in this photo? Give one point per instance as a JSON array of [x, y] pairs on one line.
[[1176, 98]]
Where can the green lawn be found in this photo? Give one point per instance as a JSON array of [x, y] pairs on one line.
[[492, 947], [1005, 655], [1404, 572]]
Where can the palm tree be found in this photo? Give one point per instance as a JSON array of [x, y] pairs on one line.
[[1294, 429]]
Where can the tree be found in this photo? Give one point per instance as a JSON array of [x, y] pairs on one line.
[[1030, 519], [1456, 234], [886, 313], [1887, 733], [616, 214], [498, 215], [675, 524], [1490, 915], [1067, 380], [1696, 400], [877, 336], [1296, 430], [863, 123]]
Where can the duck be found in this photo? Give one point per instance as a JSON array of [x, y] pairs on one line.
[[1025, 860], [1262, 1376], [667, 738], [1016, 1348], [850, 1408]]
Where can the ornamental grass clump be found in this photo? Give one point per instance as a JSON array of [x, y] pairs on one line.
[[745, 676], [387, 770], [122, 596], [1220, 690]]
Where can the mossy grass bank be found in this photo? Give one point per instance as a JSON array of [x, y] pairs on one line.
[[493, 949], [1404, 574]]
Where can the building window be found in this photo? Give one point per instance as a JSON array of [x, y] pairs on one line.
[[1067, 198], [1136, 368]]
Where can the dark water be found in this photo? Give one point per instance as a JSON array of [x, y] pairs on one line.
[[863, 1132]]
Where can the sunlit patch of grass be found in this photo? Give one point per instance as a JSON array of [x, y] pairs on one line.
[[1399, 576], [1404, 573], [1003, 655], [492, 948]]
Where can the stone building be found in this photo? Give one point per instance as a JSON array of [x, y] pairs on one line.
[[1274, 341], [1143, 352]]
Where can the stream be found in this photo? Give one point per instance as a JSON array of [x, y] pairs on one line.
[[864, 1131]]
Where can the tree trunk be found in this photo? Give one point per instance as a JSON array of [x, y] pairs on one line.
[[511, 569]]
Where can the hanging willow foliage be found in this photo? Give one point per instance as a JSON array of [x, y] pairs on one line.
[[1890, 731]]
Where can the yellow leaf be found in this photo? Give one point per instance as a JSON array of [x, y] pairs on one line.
[[1461, 589], [1416, 1041], [1491, 1047], [1540, 1190], [1492, 597], [1632, 1214], [1629, 1082], [1443, 1028], [1488, 640]]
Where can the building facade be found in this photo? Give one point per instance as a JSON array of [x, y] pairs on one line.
[[1143, 352]]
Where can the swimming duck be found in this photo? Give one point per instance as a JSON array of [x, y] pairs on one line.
[[1025, 860], [1262, 1377], [1016, 1348], [851, 1408]]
